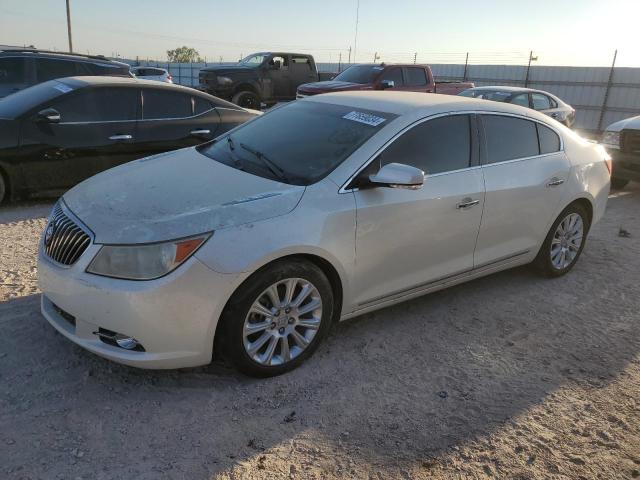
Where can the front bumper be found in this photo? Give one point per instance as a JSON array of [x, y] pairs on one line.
[[174, 317], [626, 166]]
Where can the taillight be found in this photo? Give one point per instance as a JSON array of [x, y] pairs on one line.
[[169, 77]]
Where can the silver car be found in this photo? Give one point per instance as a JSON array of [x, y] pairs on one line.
[[539, 100], [152, 73], [251, 245]]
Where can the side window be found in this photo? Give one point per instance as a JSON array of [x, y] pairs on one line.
[[395, 75], [160, 103], [301, 63], [435, 146], [49, 69], [284, 61], [98, 105], [522, 100], [12, 70], [508, 138], [416, 77], [540, 101], [201, 105], [549, 140]]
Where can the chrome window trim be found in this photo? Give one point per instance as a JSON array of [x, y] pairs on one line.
[[89, 122], [344, 189]]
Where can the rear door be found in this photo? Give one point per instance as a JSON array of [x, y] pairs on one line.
[[416, 80], [525, 171], [96, 131], [174, 119]]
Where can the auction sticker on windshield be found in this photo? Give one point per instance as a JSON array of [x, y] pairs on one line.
[[365, 118]]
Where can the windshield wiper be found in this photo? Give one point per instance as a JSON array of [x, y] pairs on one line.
[[236, 160], [270, 164]]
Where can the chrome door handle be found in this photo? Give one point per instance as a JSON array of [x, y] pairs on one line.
[[555, 182], [200, 132], [117, 138], [467, 203]]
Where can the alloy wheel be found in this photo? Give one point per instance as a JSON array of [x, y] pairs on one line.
[[566, 241], [282, 322]]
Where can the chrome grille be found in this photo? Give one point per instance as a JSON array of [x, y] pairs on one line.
[[64, 240]]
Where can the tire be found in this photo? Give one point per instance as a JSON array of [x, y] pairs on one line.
[[3, 187], [547, 262], [247, 99], [618, 183], [264, 352]]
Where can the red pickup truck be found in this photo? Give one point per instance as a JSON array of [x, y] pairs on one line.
[[397, 77]]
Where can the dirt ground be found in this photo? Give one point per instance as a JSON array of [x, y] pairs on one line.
[[511, 376]]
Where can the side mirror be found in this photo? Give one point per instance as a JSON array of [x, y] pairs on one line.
[[48, 115], [384, 84], [398, 175]]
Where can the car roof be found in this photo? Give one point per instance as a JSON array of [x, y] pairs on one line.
[[27, 51], [418, 103]]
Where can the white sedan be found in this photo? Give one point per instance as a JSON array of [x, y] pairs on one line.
[[326, 208], [152, 73]]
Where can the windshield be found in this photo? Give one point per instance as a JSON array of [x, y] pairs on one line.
[[254, 60], [359, 74], [299, 143], [495, 95]]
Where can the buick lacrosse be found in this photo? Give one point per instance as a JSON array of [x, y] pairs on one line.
[[251, 245]]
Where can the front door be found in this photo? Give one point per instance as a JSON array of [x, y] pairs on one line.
[[97, 129], [525, 173], [407, 239]]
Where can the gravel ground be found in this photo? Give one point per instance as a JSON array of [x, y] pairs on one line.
[[511, 376]]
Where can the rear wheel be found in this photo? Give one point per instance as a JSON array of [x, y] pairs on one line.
[[564, 242], [247, 99], [618, 183], [277, 319]]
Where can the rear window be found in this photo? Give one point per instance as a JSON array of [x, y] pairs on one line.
[[416, 77], [201, 105], [509, 138], [12, 70], [162, 104], [304, 140], [359, 74]]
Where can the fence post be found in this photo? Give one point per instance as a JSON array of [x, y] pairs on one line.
[[191, 76], [415, 58], [180, 73], [466, 63], [606, 92], [340, 62], [349, 55]]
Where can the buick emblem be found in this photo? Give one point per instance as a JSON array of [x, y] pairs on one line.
[[49, 232]]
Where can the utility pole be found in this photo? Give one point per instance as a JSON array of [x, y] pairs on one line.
[[355, 40], [466, 64], [606, 92], [349, 55], [69, 27], [415, 58], [376, 57], [340, 62], [531, 59]]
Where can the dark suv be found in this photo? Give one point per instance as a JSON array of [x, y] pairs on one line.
[[23, 67]]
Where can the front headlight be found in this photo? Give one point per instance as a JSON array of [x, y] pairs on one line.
[[611, 139], [143, 262], [224, 81]]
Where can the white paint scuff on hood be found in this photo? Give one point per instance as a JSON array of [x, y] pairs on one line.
[[175, 195]]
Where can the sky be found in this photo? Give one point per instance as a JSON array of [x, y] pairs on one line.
[[559, 32]]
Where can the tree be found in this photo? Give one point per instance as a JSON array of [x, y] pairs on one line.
[[184, 54]]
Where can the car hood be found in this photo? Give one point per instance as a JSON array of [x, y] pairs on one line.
[[175, 195], [633, 123], [332, 86]]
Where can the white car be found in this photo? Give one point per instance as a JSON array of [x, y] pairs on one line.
[[320, 210], [152, 73]]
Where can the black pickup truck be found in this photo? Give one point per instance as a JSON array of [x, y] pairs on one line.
[[266, 77]]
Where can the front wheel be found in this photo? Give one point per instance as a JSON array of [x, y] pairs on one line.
[[247, 99], [277, 318], [564, 242]]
